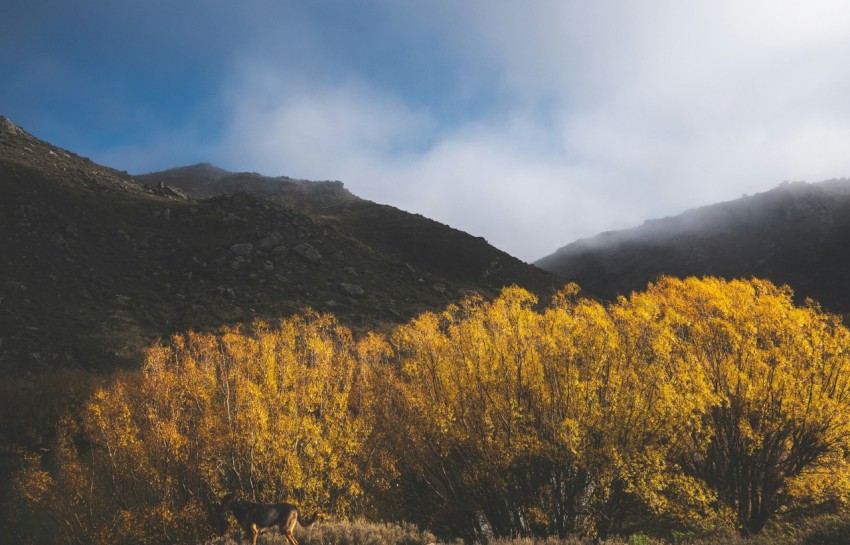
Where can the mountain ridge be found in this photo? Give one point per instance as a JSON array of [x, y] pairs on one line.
[[204, 180], [414, 239], [795, 234]]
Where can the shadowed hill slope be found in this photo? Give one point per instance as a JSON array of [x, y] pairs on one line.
[[796, 234], [422, 243], [95, 265]]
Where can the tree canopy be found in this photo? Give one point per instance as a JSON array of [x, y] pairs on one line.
[[696, 402]]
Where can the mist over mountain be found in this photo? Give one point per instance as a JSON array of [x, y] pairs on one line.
[[796, 234], [97, 264]]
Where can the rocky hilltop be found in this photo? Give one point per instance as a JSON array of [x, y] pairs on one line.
[[418, 241], [205, 180], [796, 234]]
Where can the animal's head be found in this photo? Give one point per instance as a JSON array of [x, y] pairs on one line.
[[218, 515], [228, 501]]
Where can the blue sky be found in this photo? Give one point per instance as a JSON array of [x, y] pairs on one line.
[[530, 123]]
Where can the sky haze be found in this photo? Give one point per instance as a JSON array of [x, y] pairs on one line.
[[531, 123]]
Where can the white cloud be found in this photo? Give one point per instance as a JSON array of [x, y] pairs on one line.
[[313, 130], [496, 178], [671, 105], [528, 123], [597, 115]]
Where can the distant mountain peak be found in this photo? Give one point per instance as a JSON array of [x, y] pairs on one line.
[[204, 180], [797, 234], [209, 167], [203, 170]]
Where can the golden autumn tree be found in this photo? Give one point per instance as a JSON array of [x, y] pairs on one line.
[[778, 414], [271, 411], [630, 401], [520, 422]]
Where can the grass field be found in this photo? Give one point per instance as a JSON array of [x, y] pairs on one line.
[[819, 531]]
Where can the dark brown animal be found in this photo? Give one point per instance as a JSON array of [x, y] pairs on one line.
[[256, 518]]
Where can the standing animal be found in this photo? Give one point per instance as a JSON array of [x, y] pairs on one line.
[[256, 518]]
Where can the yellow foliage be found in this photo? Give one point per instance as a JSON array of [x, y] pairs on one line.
[[774, 400], [265, 410], [699, 401], [583, 409]]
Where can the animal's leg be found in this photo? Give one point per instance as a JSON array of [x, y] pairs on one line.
[[254, 533], [290, 525]]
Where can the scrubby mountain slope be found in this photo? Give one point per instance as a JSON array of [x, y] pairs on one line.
[[425, 244], [95, 265], [796, 234]]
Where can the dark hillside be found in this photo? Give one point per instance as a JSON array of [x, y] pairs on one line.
[[95, 266], [422, 243], [796, 234]]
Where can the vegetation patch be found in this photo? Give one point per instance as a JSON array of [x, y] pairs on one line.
[[696, 408]]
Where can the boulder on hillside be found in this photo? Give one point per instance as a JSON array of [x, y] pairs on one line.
[[270, 241], [351, 289], [243, 249], [308, 252], [164, 190]]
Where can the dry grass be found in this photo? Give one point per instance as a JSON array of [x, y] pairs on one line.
[[817, 531], [552, 540], [334, 532]]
